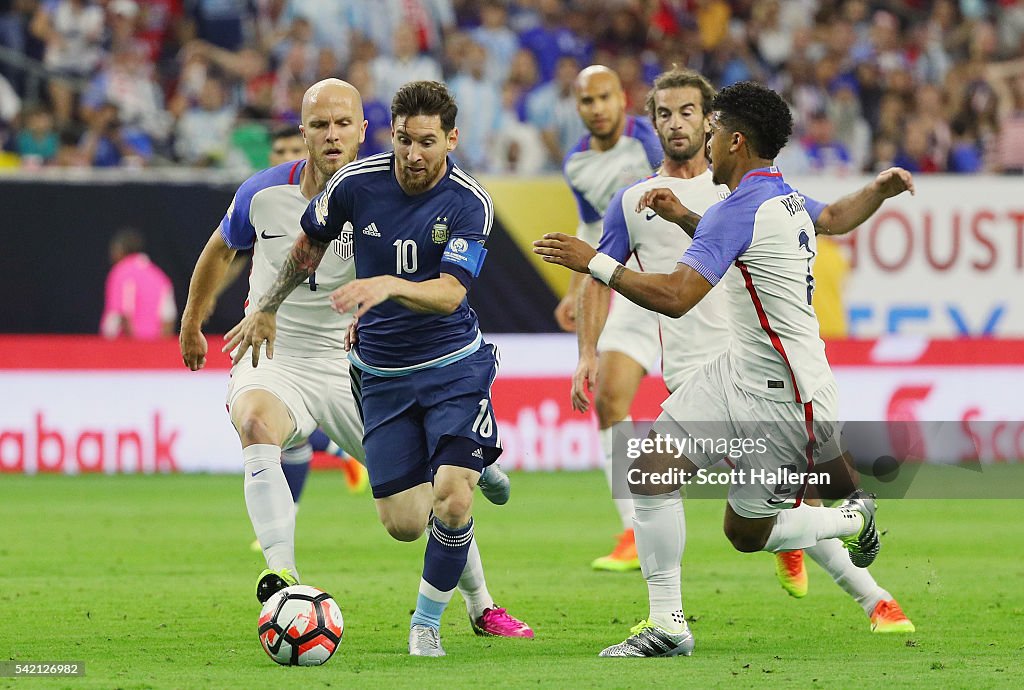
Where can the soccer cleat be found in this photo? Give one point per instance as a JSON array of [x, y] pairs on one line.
[[865, 545], [622, 558], [356, 478], [789, 568], [271, 582], [496, 622], [648, 640], [494, 484], [888, 617], [425, 641]]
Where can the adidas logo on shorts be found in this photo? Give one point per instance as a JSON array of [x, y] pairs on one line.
[[478, 453]]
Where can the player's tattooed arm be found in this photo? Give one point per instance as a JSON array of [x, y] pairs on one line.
[[305, 256]]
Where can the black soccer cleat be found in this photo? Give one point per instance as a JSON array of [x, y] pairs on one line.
[[271, 582]]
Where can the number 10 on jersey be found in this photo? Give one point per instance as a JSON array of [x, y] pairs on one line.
[[406, 260]]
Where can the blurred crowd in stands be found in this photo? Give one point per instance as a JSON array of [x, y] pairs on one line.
[[931, 86]]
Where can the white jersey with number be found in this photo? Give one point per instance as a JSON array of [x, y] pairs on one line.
[[766, 230], [703, 333], [266, 212]]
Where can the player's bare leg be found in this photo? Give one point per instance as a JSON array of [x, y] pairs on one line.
[[263, 425], [619, 378]]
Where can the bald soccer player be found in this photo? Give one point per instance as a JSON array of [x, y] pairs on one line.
[[303, 382], [618, 151]]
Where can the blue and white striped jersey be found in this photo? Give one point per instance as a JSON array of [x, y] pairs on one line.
[[416, 238]]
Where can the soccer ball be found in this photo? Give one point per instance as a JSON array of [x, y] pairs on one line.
[[300, 626]]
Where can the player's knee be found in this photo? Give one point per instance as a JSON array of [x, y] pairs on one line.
[[453, 507], [745, 540], [610, 407], [253, 428], [402, 528]]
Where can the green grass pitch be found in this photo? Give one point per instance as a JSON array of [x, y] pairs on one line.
[[149, 582]]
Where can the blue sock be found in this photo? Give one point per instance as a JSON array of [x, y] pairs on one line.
[[318, 439], [295, 465], [443, 563]]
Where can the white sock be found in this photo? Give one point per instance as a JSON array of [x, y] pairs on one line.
[[270, 506], [473, 586], [806, 525], [857, 582], [617, 485], [660, 538]]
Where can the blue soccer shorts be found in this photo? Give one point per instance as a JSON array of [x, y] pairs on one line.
[[415, 423]]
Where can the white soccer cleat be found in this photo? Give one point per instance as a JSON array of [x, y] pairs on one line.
[[425, 641], [648, 640]]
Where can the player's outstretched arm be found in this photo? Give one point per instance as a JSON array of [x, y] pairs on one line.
[[842, 216], [591, 315], [260, 325], [207, 277], [672, 294], [442, 295]]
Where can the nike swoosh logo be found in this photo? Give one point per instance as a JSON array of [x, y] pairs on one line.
[[260, 472], [650, 215], [265, 236]]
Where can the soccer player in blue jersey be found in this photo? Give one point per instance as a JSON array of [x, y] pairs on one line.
[[420, 367], [775, 368]]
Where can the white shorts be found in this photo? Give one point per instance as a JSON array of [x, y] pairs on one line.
[[316, 391], [766, 437], [633, 331]]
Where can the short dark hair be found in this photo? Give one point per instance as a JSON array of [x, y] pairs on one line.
[[283, 132], [757, 112], [425, 98], [677, 78], [130, 240]]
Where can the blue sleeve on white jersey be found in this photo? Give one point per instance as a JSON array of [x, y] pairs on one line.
[[464, 254], [587, 213], [721, 237], [326, 215], [615, 235], [813, 208], [644, 132], [236, 227]]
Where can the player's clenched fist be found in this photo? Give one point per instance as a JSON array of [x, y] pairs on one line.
[[559, 248], [251, 332]]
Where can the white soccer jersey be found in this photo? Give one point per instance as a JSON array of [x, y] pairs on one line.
[[703, 334], [594, 176], [766, 229], [265, 212]]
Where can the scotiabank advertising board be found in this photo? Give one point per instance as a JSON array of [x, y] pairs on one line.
[[80, 405], [945, 263]]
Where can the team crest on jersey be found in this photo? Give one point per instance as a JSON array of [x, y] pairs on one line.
[[343, 246], [440, 230]]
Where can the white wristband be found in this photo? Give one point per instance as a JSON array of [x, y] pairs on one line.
[[602, 267]]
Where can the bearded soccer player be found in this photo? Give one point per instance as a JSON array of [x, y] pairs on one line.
[[774, 370]]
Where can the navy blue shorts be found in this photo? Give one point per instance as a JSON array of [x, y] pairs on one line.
[[409, 421]]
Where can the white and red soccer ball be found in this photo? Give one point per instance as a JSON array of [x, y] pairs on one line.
[[301, 626]]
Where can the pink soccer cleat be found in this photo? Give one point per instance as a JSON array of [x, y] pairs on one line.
[[497, 622]]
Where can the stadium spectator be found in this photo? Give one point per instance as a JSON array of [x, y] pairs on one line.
[[108, 142], [551, 108], [479, 107], [139, 299], [551, 40], [517, 148], [37, 142], [203, 133], [826, 153], [499, 40], [72, 31], [406, 64]]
